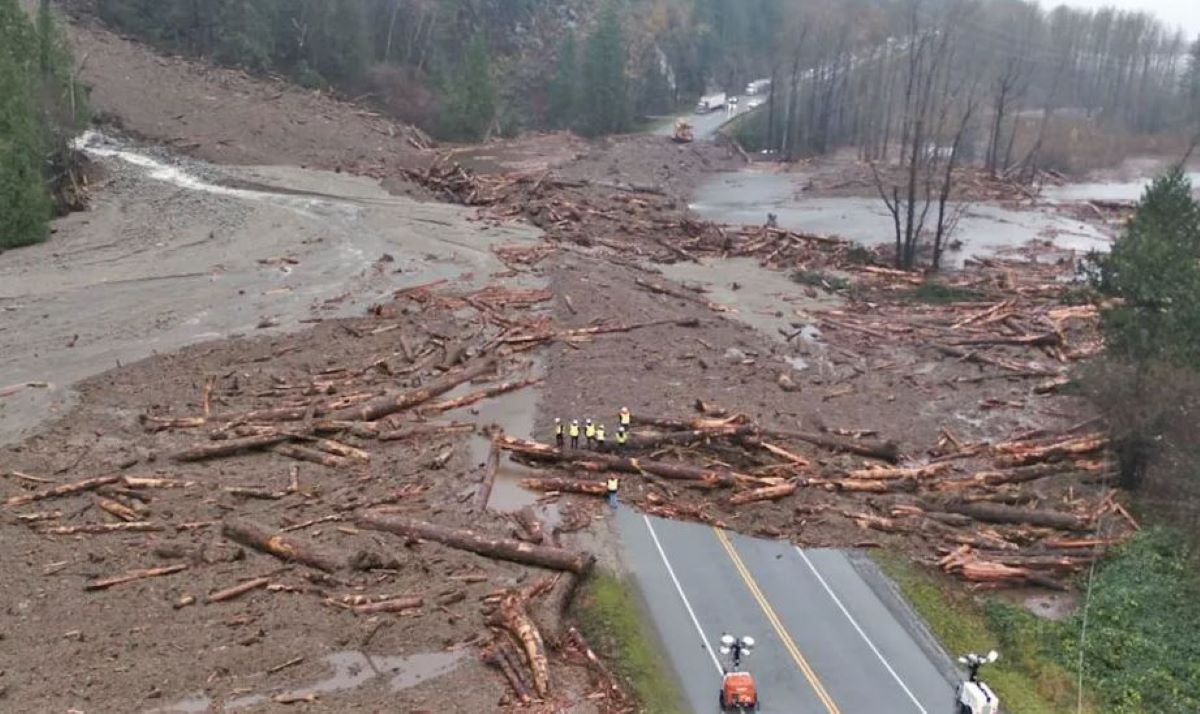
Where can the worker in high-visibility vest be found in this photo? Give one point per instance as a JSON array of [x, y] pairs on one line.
[[558, 432], [589, 432], [573, 432], [626, 419], [622, 437], [610, 488], [601, 443]]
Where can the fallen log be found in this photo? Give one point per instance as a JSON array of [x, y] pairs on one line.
[[512, 658], [118, 509], [917, 472], [596, 462], [284, 547], [469, 399], [565, 485], [493, 657], [1020, 455], [399, 401], [502, 548], [238, 590], [512, 617], [64, 490], [1018, 370], [884, 451], [155, 424], [680, 294], [303, 453], [489, 477], [399, 604], [98, 528], [998, 513], [132, 575], [997, 478], [411, 432], [229, 447], [1045, 339], [766, 493], [337, 448], [689, 436]]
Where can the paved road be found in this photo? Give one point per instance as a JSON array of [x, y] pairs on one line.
[[827, 643], [705, 126]]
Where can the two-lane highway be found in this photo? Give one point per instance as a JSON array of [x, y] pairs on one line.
[[826, 642]]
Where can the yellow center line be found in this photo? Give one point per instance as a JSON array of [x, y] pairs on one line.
[[788, 643]]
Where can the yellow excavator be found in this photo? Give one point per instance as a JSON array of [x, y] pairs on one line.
[[683, 132]]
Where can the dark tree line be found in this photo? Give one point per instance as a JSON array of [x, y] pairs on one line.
[[41, 109]]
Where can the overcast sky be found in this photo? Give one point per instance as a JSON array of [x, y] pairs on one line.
[[1183, 13]]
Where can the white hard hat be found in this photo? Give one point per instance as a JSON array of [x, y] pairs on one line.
[[574, 421], [557, 420], [624, 409], [727, 640], [747, 642]]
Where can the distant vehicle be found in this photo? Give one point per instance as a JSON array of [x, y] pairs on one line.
[[758, 86], [710, 103], [755, 102], [733, 100], [683, 132]]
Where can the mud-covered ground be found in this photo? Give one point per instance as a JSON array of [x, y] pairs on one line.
[[260, 278]]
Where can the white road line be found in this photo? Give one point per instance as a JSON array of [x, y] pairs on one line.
[[679, 588], [862, 634]]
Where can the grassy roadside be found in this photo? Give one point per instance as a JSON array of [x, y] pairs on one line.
[[612, 619], [1026, 679]]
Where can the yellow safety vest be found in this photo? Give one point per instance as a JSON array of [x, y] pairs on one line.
[[613, 484], [599, 435], [590, 431], [626, 417], [574, 430], [622, 437], [558, 429]]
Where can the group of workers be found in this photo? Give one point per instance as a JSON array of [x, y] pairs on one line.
[[595, 437]]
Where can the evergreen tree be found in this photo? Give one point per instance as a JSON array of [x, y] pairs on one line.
[[470, 96], [1154, 269], [564, 87], [605, 103], [24, 204]]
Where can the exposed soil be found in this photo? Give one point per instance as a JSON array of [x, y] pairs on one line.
[[227, 116], [171, 256]]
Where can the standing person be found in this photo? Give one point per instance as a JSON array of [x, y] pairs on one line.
[[625, 419], [558, 433], [574, 433], [610, 488], [601, 443], [589, 432], [622, 438]]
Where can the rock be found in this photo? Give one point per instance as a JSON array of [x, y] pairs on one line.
[[734, 355], [786, 383]]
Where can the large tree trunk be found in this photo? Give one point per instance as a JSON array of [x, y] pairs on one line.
[[281, 546], [595, 461], [399, 401], [997, 513], [463, 539], [216, 449]]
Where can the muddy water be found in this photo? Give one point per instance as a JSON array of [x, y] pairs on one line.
[[174, 252], [984, 230], [514, 414], [1108, 191], [351, 669]]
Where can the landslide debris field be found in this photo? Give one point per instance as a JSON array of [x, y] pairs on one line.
[[301, 517]]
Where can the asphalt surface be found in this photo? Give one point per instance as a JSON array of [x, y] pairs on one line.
[[826, 642], [705, 126]]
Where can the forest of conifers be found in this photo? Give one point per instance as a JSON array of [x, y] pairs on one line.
[[1125, 68]]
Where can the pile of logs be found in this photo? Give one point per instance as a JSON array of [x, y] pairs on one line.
[[997, 510]]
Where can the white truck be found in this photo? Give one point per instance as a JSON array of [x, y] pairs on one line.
[[759, 86], [710, 103]]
